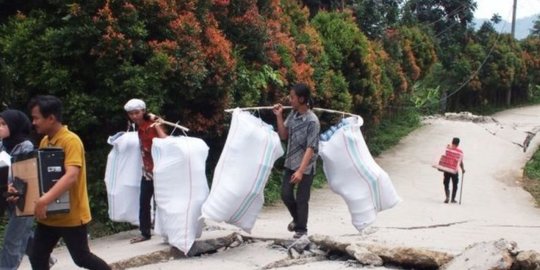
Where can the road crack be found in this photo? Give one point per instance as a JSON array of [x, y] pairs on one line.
[[428, 226]]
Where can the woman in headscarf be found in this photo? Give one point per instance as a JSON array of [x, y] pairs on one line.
[[14, 133]]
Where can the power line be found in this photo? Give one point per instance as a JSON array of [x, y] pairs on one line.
[[452, 13], [499, 34], [455, 91], [447, 28]]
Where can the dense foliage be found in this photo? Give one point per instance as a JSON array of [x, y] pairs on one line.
[[191, 59]]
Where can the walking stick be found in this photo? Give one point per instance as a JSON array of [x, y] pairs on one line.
[[461, 189]]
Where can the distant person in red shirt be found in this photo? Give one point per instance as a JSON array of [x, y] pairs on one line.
[[456, 153], [148, 127]]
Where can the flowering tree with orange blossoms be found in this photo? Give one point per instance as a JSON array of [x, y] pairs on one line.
[[531, 55], [176, 46], [418, 51], [269, 58], [332, 89], [285, 53]]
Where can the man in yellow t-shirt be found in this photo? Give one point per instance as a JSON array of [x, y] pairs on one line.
[[47, 119]]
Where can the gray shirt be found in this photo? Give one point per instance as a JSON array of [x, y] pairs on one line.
[[21, 148], [303, 133]]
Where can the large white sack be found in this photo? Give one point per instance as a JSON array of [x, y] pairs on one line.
[[123, 177], [180, 188], [352, 173], [251, 148]]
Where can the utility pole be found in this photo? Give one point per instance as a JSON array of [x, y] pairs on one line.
[[513, 33], [514, 18]]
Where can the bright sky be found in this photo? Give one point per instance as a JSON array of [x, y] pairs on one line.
[[486, 8]]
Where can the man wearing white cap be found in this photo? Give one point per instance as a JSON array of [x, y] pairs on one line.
[[148, 128]]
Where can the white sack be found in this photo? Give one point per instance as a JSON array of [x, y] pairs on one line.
[[5, 161], [180, 188], [123, 177], [251, 148], [352, 173]]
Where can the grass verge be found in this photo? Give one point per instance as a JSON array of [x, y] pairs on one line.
[[531, 178], [389, 132]]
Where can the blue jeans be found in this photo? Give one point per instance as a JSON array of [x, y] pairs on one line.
[[18, 232]]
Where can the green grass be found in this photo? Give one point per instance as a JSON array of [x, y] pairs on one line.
[[389, 132], [272, 191], [273, 187], [532, 177], [98, 229]]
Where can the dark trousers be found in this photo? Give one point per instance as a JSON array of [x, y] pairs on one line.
[[145, 205], [298, 205], [455, 181], [76, 239]]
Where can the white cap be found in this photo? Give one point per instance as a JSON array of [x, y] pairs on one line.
[[134, 104]]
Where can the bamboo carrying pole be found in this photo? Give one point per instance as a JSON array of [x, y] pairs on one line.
[[173, 125], [289, 107], [162, 121]]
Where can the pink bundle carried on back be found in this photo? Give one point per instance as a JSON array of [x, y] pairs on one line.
[[450, 161]]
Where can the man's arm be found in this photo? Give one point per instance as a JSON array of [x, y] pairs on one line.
[[64, 183], [282, 130], [160, 131], [462, 166], [299, 173]]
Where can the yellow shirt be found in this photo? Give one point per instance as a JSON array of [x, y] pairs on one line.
[[79, 212]]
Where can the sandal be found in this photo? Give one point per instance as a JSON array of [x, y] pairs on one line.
[[139, 239]]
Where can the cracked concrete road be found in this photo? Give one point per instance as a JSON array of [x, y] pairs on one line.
[[494, 205]]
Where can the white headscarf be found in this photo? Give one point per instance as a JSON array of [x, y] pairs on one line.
[[134, 104]]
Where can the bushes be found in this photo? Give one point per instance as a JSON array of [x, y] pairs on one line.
[[532, 176], [390, 131], [349, 54], [189, 60]]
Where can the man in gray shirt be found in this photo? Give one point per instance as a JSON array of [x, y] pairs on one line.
[[301, 130]]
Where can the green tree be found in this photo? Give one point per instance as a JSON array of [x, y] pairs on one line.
[[351, 54], [531, 56], [449, 20], [172, 54], [496, 18], [45, 52], [535, 31], [504, 71], [375, 16], [468, 93]]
